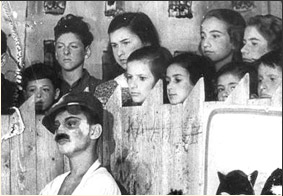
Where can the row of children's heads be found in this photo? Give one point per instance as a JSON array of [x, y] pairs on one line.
[[149, 64], [265, 76], [225, 36], [127, 32]]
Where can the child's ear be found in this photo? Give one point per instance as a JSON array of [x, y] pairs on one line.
[[87, 52], [95, 131], [57, 93]]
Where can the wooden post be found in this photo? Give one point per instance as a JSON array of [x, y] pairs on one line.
[[276, 99], [23, 152], [192, 122], [5, 157]]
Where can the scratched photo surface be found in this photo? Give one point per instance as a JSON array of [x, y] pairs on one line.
[[194, 148]]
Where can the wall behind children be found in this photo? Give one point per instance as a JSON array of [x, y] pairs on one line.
[[182, 34]]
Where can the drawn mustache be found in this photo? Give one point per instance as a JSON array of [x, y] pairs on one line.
[[61, 136]]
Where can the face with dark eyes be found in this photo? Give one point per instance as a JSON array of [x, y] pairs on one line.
[[215, 41], [269, 79], [140, 80], [44, 92], [123, 43], [255, 45], [226, 83], [77, 128], [70, 51], [179, 84]]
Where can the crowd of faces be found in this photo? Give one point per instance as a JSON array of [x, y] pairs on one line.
[[216, 44]]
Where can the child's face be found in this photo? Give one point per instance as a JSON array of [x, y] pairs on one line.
[[255, 45], [70, 51], [215, 40], [140, 80], [269, 80], [179, 85], [44, 92], [123, 43], [225, 85]]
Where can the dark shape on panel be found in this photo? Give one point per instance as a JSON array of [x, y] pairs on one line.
[[243, 6], [237, 183], [112, 8], [49, 55], [273, 185], [180, 9], [175, 192], [54, 7]]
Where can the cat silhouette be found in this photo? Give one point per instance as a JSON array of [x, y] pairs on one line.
[[236, 182], [273, 185]]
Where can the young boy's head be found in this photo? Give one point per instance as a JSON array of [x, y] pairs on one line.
[[269, 74], [230, 75], [145, 67], [41, 80]]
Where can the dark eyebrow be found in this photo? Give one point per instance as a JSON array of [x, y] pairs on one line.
[[233, 83], [216, 31], [71, 117], [177, 75], [126, 39], [254, 39]]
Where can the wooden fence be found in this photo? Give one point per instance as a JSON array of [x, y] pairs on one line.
[[156, 147]]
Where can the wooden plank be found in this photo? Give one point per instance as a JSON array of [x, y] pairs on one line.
[[160, 147], [23, 153], [241, 94], [175, 162], [5, 157], [112, 112], [50, 163], [276, 99], [192, 123], [155, 96]]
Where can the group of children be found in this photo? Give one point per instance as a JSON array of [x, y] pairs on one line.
[[229, 48]]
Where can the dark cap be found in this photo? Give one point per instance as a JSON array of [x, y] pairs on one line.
[[70, 101]]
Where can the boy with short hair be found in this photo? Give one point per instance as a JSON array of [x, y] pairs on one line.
[[269, 73], [229, 76], [41, 80]]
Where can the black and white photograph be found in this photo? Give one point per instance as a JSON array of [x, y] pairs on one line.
[[141, 98]]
